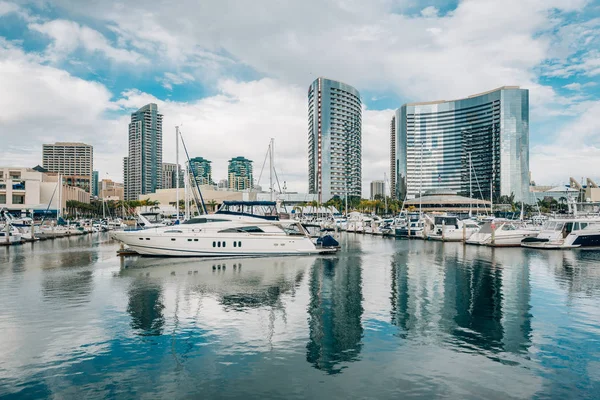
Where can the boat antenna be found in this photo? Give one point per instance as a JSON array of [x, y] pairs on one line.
[[195, 180]]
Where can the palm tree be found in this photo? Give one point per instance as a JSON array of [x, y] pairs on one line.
[[212, 204]]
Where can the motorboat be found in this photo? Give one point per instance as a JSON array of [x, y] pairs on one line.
[[412, 228], [228, 232], [566, 233], [14, 236], [502, 233], [356, 222], [451, 229]]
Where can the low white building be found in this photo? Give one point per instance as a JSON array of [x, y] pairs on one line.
[[25, 189]]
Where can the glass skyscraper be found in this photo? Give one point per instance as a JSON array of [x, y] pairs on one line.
[[478, 144], [334, 139], [142, 169]]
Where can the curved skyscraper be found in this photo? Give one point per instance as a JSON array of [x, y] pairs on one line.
[[479, 144], [334, 139]]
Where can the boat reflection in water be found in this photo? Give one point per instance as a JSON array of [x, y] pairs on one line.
[[335, 312]]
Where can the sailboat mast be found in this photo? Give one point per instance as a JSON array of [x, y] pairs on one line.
[[271, 165], [470, 186], [177, 171]]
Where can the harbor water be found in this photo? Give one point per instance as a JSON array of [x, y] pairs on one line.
[[383, 318]]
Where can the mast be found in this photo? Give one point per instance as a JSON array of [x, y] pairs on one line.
[[271, 166], [492, 196], [470, 187], [59, 213], [177, 171], [384, 194], [186, 178], [421, 179]]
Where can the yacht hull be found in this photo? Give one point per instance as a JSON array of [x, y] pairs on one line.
[[157, 244]]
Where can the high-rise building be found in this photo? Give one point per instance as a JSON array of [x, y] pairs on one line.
[[239, 173], [202, 170], [95, 181], [142, 169], [334, 139], [478, 145], [393, 157], [377, 189], [74, 161], [169, 176]]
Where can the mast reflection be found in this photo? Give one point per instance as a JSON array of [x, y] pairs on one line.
[[335, 312]]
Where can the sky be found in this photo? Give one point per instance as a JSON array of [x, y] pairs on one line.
[[234, 74]]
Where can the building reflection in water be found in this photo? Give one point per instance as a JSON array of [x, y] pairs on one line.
[[335, 312], [482, 303], [146, 307]]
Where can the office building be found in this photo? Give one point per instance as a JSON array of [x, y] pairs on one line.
[[74, 161], [95, 182], [334, 139], [239, 173], [169, 176], [142, 169], [201, 169], [377, 189], [110, 190], [478, 145]]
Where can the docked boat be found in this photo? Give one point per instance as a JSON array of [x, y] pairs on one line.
[[412, 228], [502, 233], [14, 236], [229, 232], [566, 233], [451, 229]]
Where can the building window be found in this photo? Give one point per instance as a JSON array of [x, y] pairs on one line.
[[18, 199]]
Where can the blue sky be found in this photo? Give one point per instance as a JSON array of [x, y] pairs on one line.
[[236, 74]]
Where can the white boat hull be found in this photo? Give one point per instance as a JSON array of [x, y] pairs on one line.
[[147, 242]]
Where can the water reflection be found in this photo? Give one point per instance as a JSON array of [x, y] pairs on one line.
[[146, 307], [476, 299], [335, 312]]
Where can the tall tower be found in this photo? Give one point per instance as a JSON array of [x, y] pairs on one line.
[[334, 139], [240, 173], [393, 157], [143, 166]]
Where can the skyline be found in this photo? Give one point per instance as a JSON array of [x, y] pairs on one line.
[[82, 69]]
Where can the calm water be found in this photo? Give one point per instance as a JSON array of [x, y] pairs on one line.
[[382, 319]]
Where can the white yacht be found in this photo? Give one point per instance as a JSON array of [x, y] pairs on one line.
[[502, 233], [224, 233], [567, 233], [451, 229], [412, 227], [14, 236], [356, 222]]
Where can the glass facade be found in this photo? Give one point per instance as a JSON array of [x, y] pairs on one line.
[[477, 145], [334, 139]]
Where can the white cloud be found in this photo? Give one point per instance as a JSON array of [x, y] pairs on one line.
[[574, 151], [69, 36], [430, 11], [478, 46], [7, 8], [169, 79]]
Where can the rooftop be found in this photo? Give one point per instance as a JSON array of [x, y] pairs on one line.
[[423, 103]]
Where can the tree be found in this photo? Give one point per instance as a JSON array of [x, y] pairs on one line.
[[212, 204]]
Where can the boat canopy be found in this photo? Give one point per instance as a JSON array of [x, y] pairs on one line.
[[259, 209]]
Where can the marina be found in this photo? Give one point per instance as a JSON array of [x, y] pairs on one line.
[[381, 318]]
